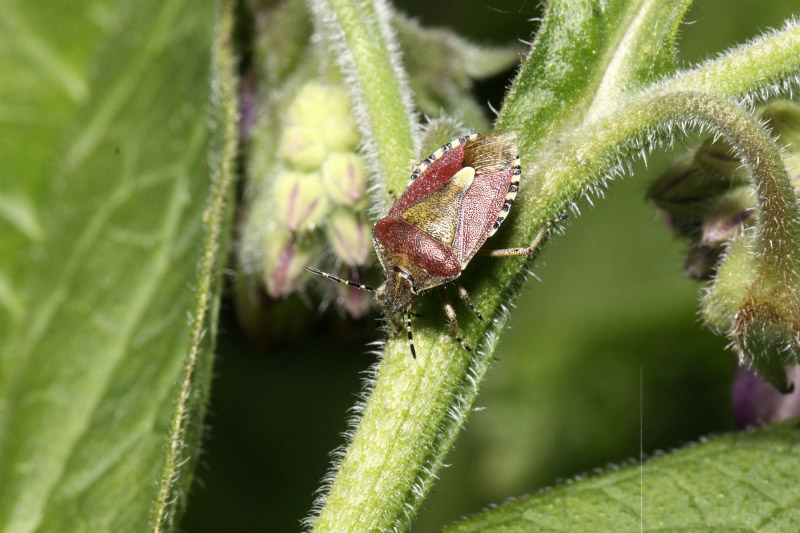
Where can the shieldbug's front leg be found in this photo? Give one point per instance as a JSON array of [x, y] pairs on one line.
[[410, 335], [517, 252], [452, 319], [398, 326]]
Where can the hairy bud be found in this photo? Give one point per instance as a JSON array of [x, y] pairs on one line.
[[701, 262], [345, 177], [349, 237], [756, 402], [284, 262], [315, 102], [732, 213], [355, 302], [341, 132], [686, 191], [760, 313], [300, 201], [303, 147]]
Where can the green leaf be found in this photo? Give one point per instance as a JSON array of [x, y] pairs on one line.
[[118, 160], [739, 482], [39, 100]]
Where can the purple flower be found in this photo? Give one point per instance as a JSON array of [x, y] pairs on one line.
[[756, 402]]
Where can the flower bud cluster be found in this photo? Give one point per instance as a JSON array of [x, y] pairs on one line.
[[318, 195], [707, 195], [754, 298]]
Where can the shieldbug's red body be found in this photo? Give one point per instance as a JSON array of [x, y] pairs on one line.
[[457, 198]]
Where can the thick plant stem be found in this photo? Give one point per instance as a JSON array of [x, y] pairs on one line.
[[397, 438]]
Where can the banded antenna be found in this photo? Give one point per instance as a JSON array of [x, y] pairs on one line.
[[340, 280]]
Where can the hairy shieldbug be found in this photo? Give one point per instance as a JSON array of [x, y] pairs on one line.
[[456, 199]]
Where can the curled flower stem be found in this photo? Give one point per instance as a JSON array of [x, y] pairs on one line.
[[778, 214]]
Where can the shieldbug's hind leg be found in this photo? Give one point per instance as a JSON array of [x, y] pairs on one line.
[[517, 252], [464, 295], [452, 319]]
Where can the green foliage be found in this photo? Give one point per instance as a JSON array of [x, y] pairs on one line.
[[115, 194], [430, 398], [742, 482], [118, 135]]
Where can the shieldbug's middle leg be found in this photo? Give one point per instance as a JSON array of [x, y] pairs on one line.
[[452, 320], [464, 295], [527, 250]]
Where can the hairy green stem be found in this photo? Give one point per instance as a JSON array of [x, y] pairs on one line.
[[585, 57], [194, 385], [758, 69], [767, 65]]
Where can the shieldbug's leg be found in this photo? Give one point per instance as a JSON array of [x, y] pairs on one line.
[[516, 252], [452, 319], [398, 326], [410, 335], [464, 295]]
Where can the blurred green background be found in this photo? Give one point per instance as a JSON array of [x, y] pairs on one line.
[[563, 397]]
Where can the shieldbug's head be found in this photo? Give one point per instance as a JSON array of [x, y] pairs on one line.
[[456, 199], [397, 292]]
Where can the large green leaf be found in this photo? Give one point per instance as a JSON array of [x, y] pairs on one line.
[[115, 178], [43, 70], [741, 482]]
